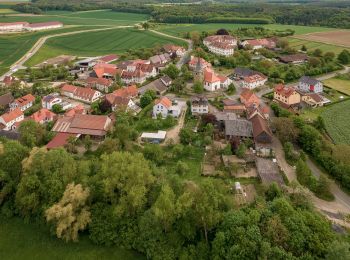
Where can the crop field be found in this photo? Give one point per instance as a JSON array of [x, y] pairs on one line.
[[312, 45], [336, 118], [179, 29], [99, 43], [99, 17], [13, 47], [338, 84], [336, 37], [19, 240]]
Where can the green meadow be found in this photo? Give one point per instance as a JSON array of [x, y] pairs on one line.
[[99, 43], [19, 240]]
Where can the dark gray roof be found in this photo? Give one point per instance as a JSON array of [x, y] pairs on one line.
[[244, 72], [199, 101], [238, 127], [156, 85], [308, 80], [6, 99], [10, 134], [268, 171]]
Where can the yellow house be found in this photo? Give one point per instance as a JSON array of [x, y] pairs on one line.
[[286, 95]]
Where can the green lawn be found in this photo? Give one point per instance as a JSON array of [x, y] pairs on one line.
[[13, 47], [99, 43], [337, 121], [104, 17], [19, 240], [179, 29], [341, 85], [310, 45]]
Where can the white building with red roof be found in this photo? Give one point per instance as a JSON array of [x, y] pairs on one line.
[[105, 70], [213, 82], [174, 49], [197, 63], [43, 116], [87, 95], [165, 107], [50, 100], [221, 44], [101, 84], [13, 27], [254, 81], [23, 103], [8, 120], [256, 44], [43, 26]]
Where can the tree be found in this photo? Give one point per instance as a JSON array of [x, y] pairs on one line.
[[182, 167], [319, 123], [71, 214], [198, 87], [126, 179], [285, 129], [87, 142], [196, 38], [145, 100], [303, 48], [172, 71], [145, 26], [314, 62], [32, 134], [329, 56], [222, 32], [338, 250], [317, 53], [241, 150], [57, 109], [344, 57], [231, 89]]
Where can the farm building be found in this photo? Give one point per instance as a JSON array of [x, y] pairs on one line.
[[155, 138]]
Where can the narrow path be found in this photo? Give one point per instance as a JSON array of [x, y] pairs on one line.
[[36, 47], [174, 132]]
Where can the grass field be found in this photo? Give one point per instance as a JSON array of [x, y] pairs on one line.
[[99, 17], [341, 85], [337, 122], [310, 45], [19, 240], [13, 47], [99, 43], [179, 29]]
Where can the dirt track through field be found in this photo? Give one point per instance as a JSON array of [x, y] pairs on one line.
[[336, 37]]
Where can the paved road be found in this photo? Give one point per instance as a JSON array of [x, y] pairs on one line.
[[36, 47]]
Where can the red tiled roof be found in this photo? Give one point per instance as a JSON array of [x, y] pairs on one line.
[[130, 91], [283, 90], [102, 69], [42, 115], [79, 109], [84, 93], [22, 101], [254, 78], [12, 115], [100, 81], [164, 101], [109, 58], [247, 94], [210, 76], [60, 140], [68, 88]]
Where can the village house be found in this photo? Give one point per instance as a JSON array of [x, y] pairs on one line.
[[129, 92], [256, 44], [86, 64], [165, 107], [254, 81], [312, 99], [8, 81], [199, 105], [6, 100], [159, 86], [307, 84], [43, 116], [136, 71], [235, 108], [76, 110], [43, 26], [107, 58], [261, 110], [160, 60], [221, 44], [50, 100], [261, 131], [197, 63], [237, 129], [13, 27], [118, 102], [95, 126], [105, 70], [295, 59], [213, 82], [248, 98], [8, 120], [287, 96], [174, 50], [101, 84], [87, 95], [23, 103]]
